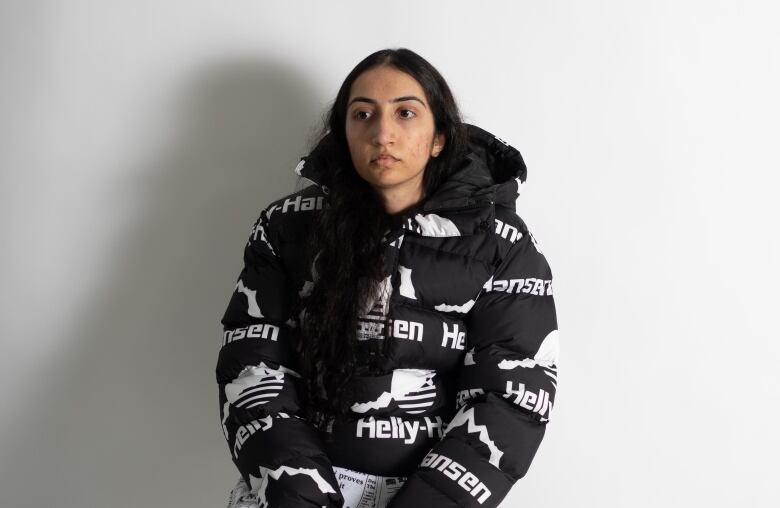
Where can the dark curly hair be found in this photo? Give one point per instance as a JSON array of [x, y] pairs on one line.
[[347, 237]]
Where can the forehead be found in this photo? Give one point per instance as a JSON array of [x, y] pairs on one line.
[[385, 83]]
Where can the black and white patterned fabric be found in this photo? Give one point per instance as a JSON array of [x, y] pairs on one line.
[[464, 329]]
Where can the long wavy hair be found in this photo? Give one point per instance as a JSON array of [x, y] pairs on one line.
[[345, 249]]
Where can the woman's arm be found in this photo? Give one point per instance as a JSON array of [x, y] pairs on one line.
[[279, 455], [506, 389]]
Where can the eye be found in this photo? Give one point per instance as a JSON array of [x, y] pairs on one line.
[[412, 115], [357, 114]]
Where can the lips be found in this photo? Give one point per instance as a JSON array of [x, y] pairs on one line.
[[384, 158], [384, 162]]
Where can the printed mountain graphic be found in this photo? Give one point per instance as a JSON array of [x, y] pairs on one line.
[[407, 288], [443, 307], [436, 225], [467, 418], [413, 390], [260, 483], [546, 357], [253, 309]]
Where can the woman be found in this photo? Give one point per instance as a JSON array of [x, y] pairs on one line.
[[392, 337]]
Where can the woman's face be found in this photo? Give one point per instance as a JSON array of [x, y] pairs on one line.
[[390, 130]]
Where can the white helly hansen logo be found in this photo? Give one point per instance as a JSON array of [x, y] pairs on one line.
[[411, 330], [400, 329], [466, 395], [259, 230], [535, 402], [530, 286], [298, 204], [396, 428], [455, 339], [507, 231], [370, 329], [258, 331], [467, 480], [245, 431]]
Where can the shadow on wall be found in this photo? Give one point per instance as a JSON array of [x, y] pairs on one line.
[[130, 416]]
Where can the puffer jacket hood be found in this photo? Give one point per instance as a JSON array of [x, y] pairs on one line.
[[494, 172]]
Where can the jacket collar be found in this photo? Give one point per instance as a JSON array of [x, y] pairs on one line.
[[492, 173]]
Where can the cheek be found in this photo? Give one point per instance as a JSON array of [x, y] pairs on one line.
[[418, 146], [354, 144], [422, 151], [353, 136]]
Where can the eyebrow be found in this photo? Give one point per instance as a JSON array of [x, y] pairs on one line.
[[397, 99]]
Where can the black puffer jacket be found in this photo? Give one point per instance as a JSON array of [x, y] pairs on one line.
[[470, 369]]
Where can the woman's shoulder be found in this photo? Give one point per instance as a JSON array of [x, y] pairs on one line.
[[290, 216], [297, 203], [285, 222], [285, 227]]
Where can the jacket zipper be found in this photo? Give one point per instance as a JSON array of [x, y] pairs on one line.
[[481, 204]]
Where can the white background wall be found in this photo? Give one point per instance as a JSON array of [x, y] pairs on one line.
[[140, 140]]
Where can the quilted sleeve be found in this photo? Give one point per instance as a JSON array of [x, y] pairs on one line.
[[506, 389], [279, 455]]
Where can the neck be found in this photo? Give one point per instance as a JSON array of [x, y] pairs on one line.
[[397, 202]]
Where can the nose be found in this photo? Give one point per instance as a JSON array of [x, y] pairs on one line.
[[384, 129]]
